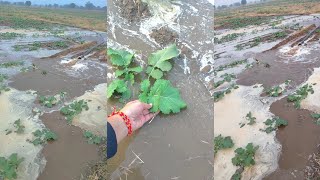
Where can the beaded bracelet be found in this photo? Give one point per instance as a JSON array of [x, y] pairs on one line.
[[125, 118]]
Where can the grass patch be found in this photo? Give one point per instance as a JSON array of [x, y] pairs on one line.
[[17, 128], [226, 78]]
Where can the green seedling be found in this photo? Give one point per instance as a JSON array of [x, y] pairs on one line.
[[274, 123], [48, 101], [17, 128], [228, 38], [91, 138], [231, 65], [220, 94], [226, 78], [300, 94], [10, 35], [73, 109], [11, 64], [221, 143], [9, 166], [43, 136], [317, 117], [244, 157], [274, 91]]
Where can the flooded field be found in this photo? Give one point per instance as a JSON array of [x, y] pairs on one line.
[[52, 92], [266, 88], [176, 146]]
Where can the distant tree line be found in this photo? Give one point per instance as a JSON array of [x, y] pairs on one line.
[[242, 2], [88, 5]]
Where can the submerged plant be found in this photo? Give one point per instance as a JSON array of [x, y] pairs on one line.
[[274, 91], [300, 94], [221, 142], [9, 166], [91, 138], [73, 109], [43, 136], [274, 123]]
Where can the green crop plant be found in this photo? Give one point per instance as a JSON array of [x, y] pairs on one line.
[[226, 78], [244, 157], [274, 91], [91, 138], [48, 101], [274, 123], [221, 142], [9, 166], [10, 35], [300, 94], [73, 109], [220, 94], [231, 65], [227, 38], [18, 128], [11, 64], [43, 136], [317, 117], [164, 97]]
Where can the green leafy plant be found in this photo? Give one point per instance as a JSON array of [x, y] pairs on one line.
[[231, 65], [250, 118], [48, 101], [244, 157], [43, 136], [17, 128], [91, 138], [274, 91], [221, 142], [274, 123], [226, 78], [220, 94], [122, 59], [317, 117], [73, 109], [11, 64], [164, 97], [9, 166], [227, 38], [300, 94]]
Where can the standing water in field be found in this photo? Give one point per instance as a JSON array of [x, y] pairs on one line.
[[176, 146]]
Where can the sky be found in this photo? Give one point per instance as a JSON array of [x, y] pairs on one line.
[[228, 2], [78, 2]]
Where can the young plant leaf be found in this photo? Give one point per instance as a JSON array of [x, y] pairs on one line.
[[119, 57], [222, 143]]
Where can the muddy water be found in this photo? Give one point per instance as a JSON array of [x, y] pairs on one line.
[[70, 156], [176, 146]]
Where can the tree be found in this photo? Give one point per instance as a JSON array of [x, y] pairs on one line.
[[55, 5], [243, 2], [89, 5], [72, 5], [28, 3]]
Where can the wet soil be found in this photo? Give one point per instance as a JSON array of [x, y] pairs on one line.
[[164, 36], [133, 11], [299, 140], [63, 155]]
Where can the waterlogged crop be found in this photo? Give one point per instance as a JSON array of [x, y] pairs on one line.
[[11, 64], [50, 101], [221, 142], [274, 123], [73, 109], [9, 166], [220, 94], [10, 35], [164, 97], [226, 78], [274, 91], [43, 136], [231, 65], [244, 157], [300, 94], [317, 117], [91, 138], [17, 128], [227, 38]]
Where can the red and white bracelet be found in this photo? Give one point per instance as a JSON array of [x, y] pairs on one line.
[[125, 118]]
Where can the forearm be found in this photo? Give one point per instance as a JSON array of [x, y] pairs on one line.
[[119, 127]]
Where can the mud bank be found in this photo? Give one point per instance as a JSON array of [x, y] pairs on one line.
[[230, 112]]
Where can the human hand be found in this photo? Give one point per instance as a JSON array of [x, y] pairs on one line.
[[138, 112]]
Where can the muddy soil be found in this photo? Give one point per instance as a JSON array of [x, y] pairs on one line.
[[164, 36], [134, 11]]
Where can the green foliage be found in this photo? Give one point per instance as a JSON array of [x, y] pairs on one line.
[[91, 138], [119, 57], [48, 101], [10, 35], [11, 64], [221, 142], [3, 77], [164, 97], [274, 123], [228, 37], [220, 94], [159, 61], [73, 109], [300, 94], [226, 78], [274, 91], [245, 157], [236, 176], [279, 35], [120, 87], [250, 118], [19, 128], [4, 88], [43, 136], [9, 166], [317, 117], [231, 65]]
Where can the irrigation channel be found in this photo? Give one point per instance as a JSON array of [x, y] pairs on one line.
[[176, 146], [260, 59], [65, 63]]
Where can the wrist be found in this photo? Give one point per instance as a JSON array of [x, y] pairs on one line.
[[119, 126]]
